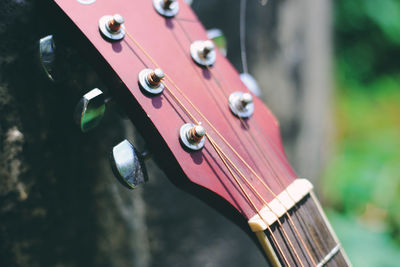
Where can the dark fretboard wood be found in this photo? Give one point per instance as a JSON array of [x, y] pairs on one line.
[[316, 234]]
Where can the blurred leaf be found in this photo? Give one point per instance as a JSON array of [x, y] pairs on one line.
[[367, 40], [365, 167], [386, 14]]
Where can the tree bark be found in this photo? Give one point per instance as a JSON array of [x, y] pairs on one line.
[[59, 202]]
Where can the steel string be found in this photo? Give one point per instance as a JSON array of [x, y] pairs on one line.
[[259, 178], [193, 118]]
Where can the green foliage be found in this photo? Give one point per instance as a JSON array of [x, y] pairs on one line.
[[367, 39], [365, 168], [362, 180]]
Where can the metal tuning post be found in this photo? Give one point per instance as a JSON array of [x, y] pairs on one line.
[[112, 27], [192, 136], [241, 104], [166, 8], [90, 110], [203, 53], [150, 81], [128, 165]]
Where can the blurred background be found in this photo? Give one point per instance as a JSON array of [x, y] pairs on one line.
[[328, 69], [360, 183]]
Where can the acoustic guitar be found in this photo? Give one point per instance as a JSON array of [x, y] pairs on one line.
[[212, 136]]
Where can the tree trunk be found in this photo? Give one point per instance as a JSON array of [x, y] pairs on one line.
[[59, 202]]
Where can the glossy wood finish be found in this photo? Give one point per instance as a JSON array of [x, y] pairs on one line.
[[168, 42]]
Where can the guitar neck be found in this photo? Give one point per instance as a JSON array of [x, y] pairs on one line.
[[319, 245]]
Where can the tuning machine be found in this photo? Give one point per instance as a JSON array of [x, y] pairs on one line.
[[47, 56], [241, 104], [90, 109], [203, 52], [166, 8], [128, 165], [112, 27]]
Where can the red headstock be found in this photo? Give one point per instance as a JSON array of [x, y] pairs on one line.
[[258, 169]]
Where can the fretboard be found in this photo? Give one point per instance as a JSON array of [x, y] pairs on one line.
[[318, 245]]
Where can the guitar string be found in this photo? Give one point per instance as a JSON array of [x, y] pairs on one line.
[[257, 147], [273, 145], [216, 80], [263, 200], [245, 70], [196, 69], [266, 140], [293, 200], [243, 177], [301, 220], [211, 93], [267, 204], [269, 228], [219, 152], [192, 117], [242, 32], [262, 181]]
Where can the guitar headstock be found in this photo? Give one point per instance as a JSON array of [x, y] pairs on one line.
[[204, 125]]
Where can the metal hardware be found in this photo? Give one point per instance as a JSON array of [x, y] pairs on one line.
[[241, 104], [47, 50], [150, 81], [112, 27], [128, 165], [203, 53], [250, 83], [218, 38], [192, 136], [166, 8], [90, 110], [86, 2]]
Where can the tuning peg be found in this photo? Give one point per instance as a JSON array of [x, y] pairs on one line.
[[128, 165], [166, 8], [203, 52], [250, 83], [112, 27], [219, 39], [90, 109], [47, 55]]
